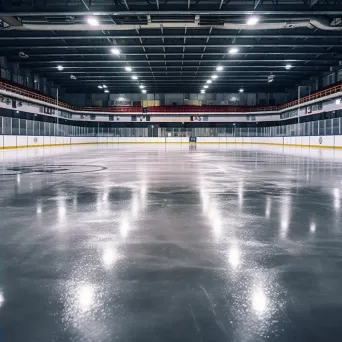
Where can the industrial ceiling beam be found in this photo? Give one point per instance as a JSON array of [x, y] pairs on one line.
[[256, 3], [157, 69], [225, 46], [38, 36], [85, 5], [204, 73], [126, 4], [240, 10], [281, 53], [313, 2]]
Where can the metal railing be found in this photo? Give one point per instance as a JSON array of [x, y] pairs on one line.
[[16, 126]]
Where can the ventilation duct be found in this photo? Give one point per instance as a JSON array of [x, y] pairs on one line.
[[319, 23], [324, 24]]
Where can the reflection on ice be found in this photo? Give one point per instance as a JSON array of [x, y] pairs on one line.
[[259, 300], [268, 207], [234, 257], [337, 198], [2, 298], [109, 257], [124, 228], [86, 297]]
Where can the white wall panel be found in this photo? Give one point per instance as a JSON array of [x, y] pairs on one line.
[[21, 141], [305, 141], [127, 140], [1, 141], [338, 141], [102, 140], [113, 140], [10, 141], [247, 140], [47, 141], [174, 140], [328, 140], [59, 141], [208, 140], [298, 141], [33, 141]]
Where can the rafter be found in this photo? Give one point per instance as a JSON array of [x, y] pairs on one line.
[[125, 2], [257, 3]]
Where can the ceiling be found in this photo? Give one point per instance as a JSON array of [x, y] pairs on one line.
[[172, 45]]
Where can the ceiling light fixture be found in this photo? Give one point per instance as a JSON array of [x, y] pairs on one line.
[[214, 77], [288, 66], [92, 21], [209, 81], [252, 21], [115, 51], [241, 90], [73, 77], [100, 87], [106, 91], [219, 68], [128, 68], [202, 91], [141, 86], [60, 67], [270, 78], [144, 91], [104, 86], [233, 51], [206, 87], [134, 77]]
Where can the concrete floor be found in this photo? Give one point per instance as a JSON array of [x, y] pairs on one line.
[[155, 243]]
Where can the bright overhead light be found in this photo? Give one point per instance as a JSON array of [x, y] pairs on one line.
[[206, 87], [128, 68], [73, 77], [106, 91], [115, 51], [60, 67], [141, 86], [92, 21], [233, 51], [209, 81], [104, 86], [288, 66], [252, 20], [100, 87], [144, 91], [202, 91], [219, 68], [270, 78], [338, 101], [241, 90], [134, 77], [214, 77]]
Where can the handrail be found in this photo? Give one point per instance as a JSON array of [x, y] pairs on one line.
[[20, 90]]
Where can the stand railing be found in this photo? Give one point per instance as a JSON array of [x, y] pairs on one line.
[[23, 91]]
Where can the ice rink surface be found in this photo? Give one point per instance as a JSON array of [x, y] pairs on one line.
[[170, 243]]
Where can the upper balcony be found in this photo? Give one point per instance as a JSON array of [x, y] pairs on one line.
[[14, 89]]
